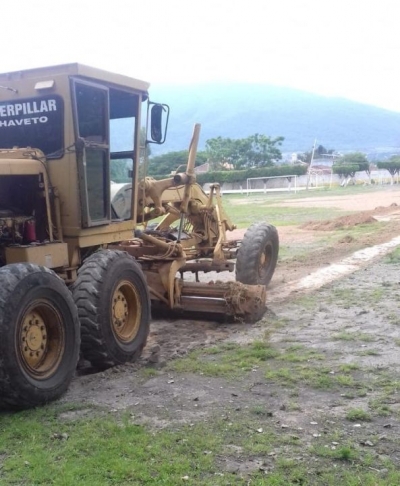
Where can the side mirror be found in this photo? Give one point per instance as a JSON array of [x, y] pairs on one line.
[[156, 123], [159, 114]]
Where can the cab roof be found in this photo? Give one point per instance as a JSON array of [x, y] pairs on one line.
[[76, 69]]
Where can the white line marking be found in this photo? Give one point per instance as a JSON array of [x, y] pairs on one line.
[[328, 274]]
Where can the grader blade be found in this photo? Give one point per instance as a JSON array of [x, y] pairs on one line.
[[230, 298]]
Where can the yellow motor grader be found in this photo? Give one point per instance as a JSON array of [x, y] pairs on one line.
[[77, 274]]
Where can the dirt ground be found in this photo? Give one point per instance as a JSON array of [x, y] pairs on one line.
[[354, 202], [360, 304]]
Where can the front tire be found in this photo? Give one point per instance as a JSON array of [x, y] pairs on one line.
[[39, 336], [114, 308], [258, 255]]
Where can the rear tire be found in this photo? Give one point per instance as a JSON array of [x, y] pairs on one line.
[[257, 255], [39, 336], [114, 308]]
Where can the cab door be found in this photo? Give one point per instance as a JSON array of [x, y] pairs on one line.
[[91, 117]]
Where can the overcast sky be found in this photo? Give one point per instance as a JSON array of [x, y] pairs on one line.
[[347, 48]]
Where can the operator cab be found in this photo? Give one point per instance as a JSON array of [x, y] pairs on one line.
[[76, 112]]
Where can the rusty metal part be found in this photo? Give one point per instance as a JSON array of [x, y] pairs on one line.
[[204, 218], [230, 298], [167, 274], [208, 265], [41, 340], [171, 249], [156, 286], [57, 207], [126, 310]]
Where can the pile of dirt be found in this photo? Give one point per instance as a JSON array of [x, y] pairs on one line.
[[345, 222]]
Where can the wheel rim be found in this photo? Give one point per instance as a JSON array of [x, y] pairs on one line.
[[126, 311], [265, 260], [41, 339]]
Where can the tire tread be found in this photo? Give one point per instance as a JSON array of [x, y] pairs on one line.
[[12, 393], [86, 292], [253, 241]]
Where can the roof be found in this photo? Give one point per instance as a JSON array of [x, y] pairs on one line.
[[76, 69], [200, 169]]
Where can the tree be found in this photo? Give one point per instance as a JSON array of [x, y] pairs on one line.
[[119, 170], [163, 165], [264, 150], [221, 151], [345, 170], [319, 152], [355, 158], [347, 165], [254, 151], [240, 176], [144, 148], [392, 166]]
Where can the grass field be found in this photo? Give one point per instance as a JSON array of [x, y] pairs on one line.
[[247, 210]]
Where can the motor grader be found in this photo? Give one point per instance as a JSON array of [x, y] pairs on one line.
[[79, 276]]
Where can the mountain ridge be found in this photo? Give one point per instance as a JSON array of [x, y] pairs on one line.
[[241, 109]]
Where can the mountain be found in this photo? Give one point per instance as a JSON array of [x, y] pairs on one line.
[[240, 110]]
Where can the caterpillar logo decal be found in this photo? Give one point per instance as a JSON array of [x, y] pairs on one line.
[[35, 122], [14, 114]]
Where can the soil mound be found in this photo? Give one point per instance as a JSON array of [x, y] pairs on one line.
[[342, 222], [345, 222]]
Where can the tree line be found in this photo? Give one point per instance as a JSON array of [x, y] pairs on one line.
[[223, 154], [234, 160], [349, 164]]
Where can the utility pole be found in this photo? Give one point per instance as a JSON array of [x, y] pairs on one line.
[[309, 167]]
